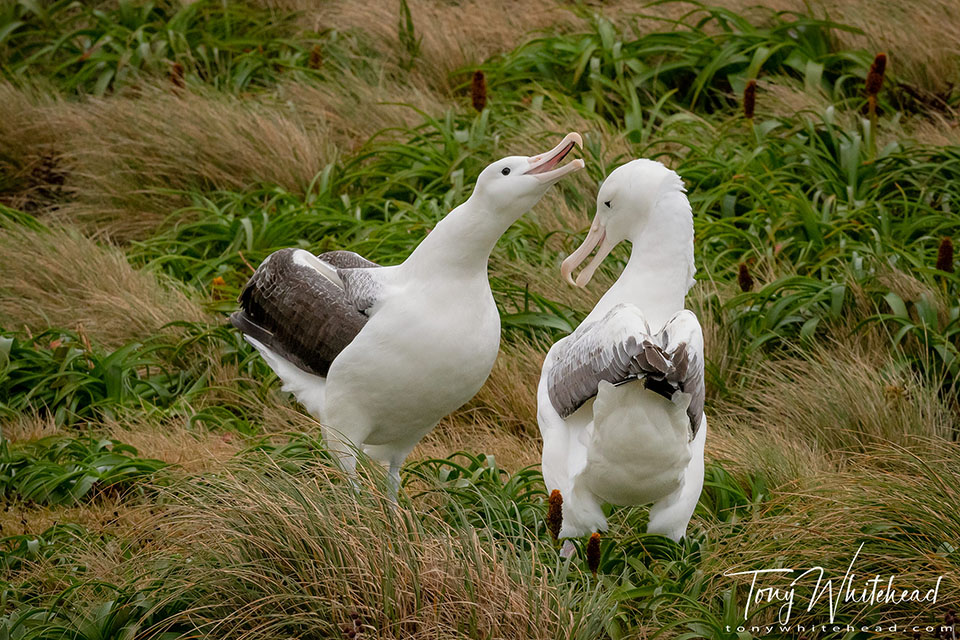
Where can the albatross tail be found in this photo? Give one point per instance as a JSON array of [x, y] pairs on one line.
[[307, 388]]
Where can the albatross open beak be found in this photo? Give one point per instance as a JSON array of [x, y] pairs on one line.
[[544, 166], [597, 236]]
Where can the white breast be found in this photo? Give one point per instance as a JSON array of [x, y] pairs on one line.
[[450, 342]]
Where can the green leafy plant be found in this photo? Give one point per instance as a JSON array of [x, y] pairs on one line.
[[96, 50], [68, 470]]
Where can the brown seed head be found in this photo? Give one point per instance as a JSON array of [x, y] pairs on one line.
[[316, 57], [875, 75], [749, 99], [744, 279], [593, 553], [478, 90], [176, 75], [945, 255], [555, 513]]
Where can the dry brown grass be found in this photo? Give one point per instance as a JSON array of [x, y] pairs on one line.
[[173, 442], [386, 104], [844, 398], [921, 38], [130, 156], [281, 553], [27, 426], [935, 130], [106, 514], [458, 432], [62, 279], [29, 171], [900, 501], [192, 451], [454, 35], [783, 97]]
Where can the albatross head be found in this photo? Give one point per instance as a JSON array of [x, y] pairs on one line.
[[512, 186], [629, 203]]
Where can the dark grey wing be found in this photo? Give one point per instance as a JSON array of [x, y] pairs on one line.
[[619, 348], [298, 306]]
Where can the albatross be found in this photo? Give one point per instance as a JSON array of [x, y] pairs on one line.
[[620, 400], [379, 354]]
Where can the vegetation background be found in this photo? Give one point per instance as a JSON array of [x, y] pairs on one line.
[[156, 482]]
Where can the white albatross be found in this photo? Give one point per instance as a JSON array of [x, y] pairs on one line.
[[620, 400], [378, 355]]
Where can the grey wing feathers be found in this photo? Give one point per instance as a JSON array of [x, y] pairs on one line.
[[362, 289], [298, 312], [358, 284], [346, 260], [619, 348], [683, 341]]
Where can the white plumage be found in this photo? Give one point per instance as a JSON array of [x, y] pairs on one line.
[[620, 400], [380, 354]]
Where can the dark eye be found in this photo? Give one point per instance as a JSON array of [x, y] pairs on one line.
[[607, 204], [506, 171]]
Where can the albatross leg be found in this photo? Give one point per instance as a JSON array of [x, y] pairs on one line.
[[392, 460], [344, 453], [670, 516], [393, 478]]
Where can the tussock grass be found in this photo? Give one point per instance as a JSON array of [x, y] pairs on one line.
[[921, 39], [451, 36], [386, 104], [30, 175], [939, 130], [880, 400], [107, 515], [59, 278], [912, 34], [467, 431], [274, 554], [898, 500], [132, 160], [191, 451]]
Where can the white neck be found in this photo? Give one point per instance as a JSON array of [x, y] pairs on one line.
[[660, 270], [460, 244]]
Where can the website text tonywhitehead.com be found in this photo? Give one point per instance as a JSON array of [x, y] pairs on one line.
[[934, 630]]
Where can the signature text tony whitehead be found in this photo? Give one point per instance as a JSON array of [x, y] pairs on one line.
[[868, 592]]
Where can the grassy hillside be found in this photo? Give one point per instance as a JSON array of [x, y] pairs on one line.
[[158, 484]]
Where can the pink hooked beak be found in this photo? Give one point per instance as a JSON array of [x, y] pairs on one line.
[[597, 236], [544, 166]]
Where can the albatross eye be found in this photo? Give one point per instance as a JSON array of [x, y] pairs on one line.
[[607, 203], [506, 171]]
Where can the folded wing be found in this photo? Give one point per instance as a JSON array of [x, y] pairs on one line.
[[621, 347], [308, 308]]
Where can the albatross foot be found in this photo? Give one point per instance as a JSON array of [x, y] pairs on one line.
[[568, 549]]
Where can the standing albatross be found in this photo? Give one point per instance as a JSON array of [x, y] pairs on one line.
[[620, 401], [378, 355]]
